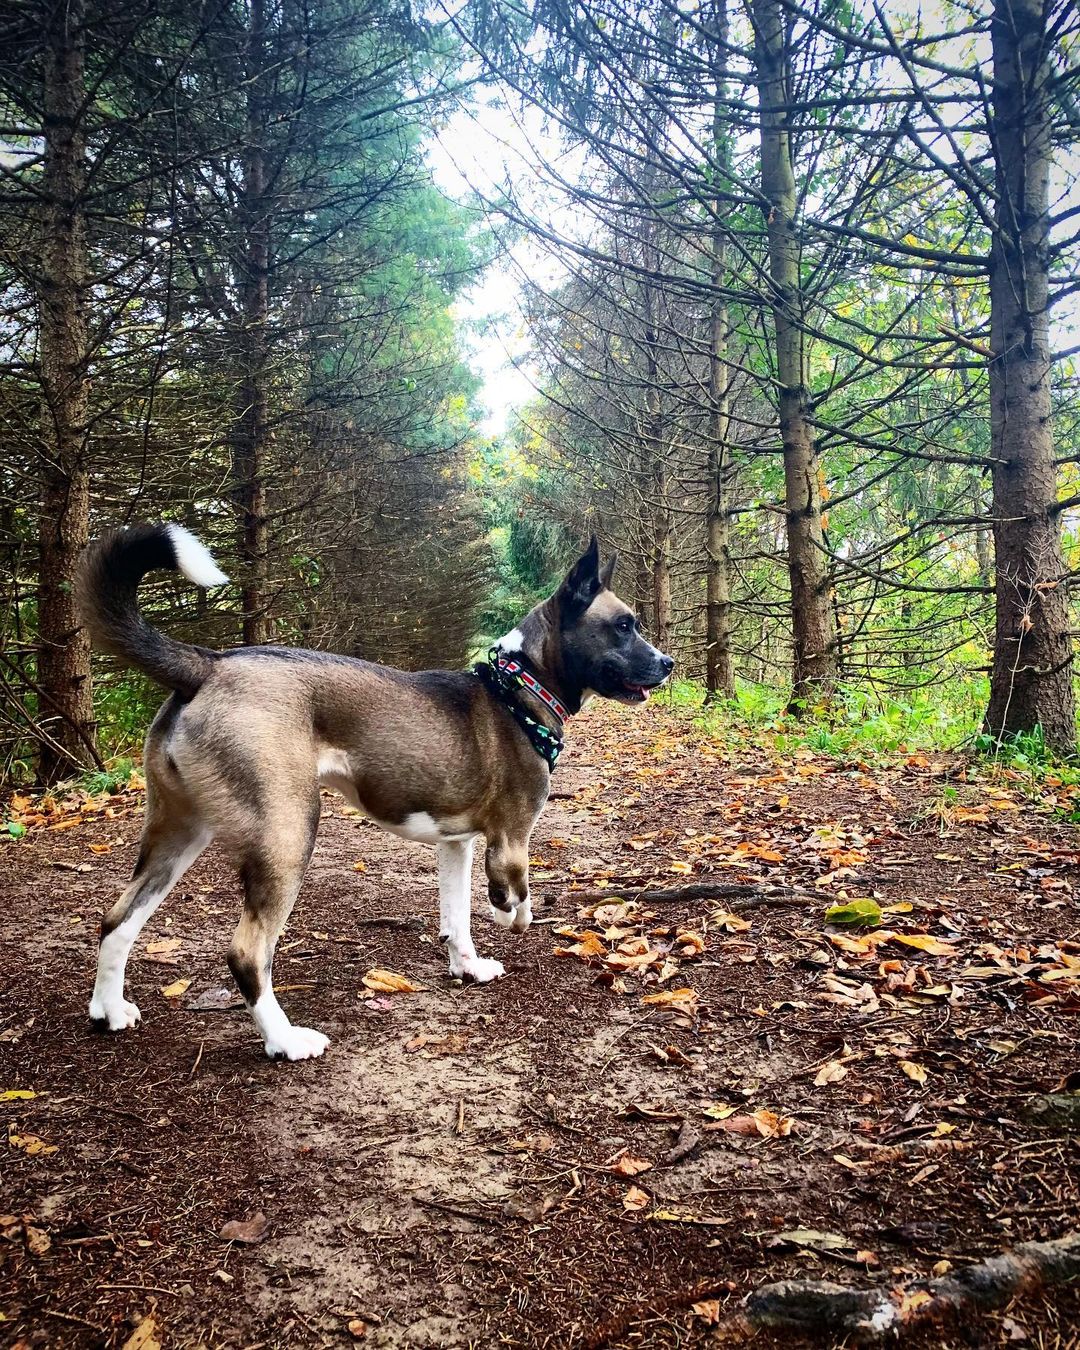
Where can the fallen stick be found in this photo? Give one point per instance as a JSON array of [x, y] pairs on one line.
[[871, 1316], [751, 893], [867, 1316]]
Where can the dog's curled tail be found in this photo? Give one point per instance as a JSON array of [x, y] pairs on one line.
[[108, 581]]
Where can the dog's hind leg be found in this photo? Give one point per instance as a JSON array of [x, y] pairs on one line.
[[455, 913], [170, 844], [272, 871]]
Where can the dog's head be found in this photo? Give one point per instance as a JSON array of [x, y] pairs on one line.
[[600, 645]]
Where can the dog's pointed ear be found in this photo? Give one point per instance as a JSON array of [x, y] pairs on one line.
[[608, 571], [582, 584]]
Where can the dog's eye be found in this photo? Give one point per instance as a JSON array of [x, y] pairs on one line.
[[625, 624]]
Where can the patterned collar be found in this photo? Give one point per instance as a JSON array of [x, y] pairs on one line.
[[504, 675]]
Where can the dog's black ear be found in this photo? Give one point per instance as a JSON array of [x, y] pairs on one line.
[[608, 571], [582, 584]]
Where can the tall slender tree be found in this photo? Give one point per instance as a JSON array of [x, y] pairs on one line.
[[813, 629], [63, 665], [1032, 678]]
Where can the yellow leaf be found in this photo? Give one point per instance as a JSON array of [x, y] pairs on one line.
[[914, 1071], [100, 848], [144, 1337], [17, 1095], [925, 943], [389, 982], [684, 868], [588, 944], [32, 1145], [177, 988], [685, 1000], [359, 867]]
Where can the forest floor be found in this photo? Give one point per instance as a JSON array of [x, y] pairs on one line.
[[578, 1154]]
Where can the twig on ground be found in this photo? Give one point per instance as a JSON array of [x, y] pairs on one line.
[[760, 893]]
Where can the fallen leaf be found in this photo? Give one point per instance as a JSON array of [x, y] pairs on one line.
[[767, 1124], [830, 1073], [32, 1145], [37, 1240], [589, 944], [177, 988], [815, 1240], [689, 943], [357, 1329], [248, 1231], [144, 1337], [100, 848], [635, 1199], [730, 923], [685, 1000], [629, 1166], [17, 1095], [855, 913], [708, 1310], [914, 1071], [163, 951], [925, 943], [389, 982]]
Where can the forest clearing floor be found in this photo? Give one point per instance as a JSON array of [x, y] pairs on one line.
[[582, 1153]]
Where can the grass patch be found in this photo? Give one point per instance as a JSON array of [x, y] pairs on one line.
[[860, 724]]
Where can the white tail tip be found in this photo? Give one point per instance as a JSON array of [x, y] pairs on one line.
[[193, 558]]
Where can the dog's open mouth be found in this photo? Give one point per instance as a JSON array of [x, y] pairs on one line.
[[635, 693]]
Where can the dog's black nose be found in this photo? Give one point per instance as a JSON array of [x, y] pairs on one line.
[[668, 663]]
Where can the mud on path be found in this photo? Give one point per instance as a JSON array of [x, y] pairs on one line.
[[551, 1160]]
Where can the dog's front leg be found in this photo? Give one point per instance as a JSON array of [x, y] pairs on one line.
[[455, 914], [507, 866]]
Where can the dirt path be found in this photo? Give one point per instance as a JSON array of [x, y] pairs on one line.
[[551, 1160]]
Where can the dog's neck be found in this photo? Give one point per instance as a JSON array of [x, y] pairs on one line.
[[537, 642]]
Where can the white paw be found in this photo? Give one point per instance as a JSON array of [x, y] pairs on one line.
[[118, 1015], [476, 968], [517, 919], [296, 1043]]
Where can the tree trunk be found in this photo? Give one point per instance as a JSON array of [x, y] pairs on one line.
[[662, 527], [813, 635], [719, 667], [251, 433], [1031, 682], [63, 668]]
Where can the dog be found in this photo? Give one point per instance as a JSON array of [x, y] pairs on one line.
[[239, 752]]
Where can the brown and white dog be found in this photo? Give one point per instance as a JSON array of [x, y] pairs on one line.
[[240, 750]]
